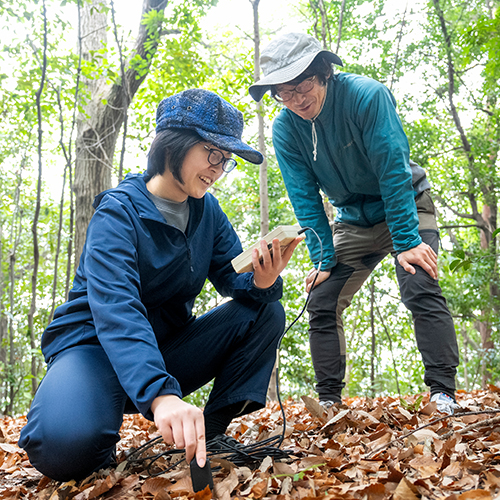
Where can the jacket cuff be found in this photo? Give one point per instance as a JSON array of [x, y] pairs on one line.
[[410, 245], [171, 386], [327, 263], [271, 294]]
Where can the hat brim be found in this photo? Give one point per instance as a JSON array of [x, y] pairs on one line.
[[232, 145], [289, 73]]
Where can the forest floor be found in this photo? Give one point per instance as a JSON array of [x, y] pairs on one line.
[[373, 449]]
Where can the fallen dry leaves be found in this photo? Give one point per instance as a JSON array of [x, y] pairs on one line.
[[373, 449]]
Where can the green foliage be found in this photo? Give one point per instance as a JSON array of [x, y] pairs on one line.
[[413, 407], [299, 476], [412, 58]]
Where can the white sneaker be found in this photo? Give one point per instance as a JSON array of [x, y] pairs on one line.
[[327, 404], [445, 404]]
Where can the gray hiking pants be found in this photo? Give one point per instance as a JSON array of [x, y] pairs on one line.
[[359, 250]]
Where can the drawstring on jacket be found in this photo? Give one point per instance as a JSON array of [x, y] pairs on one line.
[[315, 141], [313, 128]]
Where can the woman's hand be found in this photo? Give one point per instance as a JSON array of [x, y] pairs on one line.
[[181, 424], [322, 276], [269, 266]]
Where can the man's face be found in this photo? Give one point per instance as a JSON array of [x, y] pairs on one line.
[[304, 103]]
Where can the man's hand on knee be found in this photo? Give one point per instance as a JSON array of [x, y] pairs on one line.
[[422, 255], [322, 276]]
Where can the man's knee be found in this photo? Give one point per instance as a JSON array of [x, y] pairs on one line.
[[420, 292]]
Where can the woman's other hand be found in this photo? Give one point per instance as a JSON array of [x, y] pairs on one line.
[[181, 424]]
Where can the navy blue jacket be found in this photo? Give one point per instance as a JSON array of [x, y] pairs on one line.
[[137, 282], [362, 165]]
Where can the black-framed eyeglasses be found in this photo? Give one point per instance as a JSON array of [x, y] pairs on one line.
[[216, 157], [302, 88]]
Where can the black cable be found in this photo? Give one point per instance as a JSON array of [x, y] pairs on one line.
[[302, 230], [237, 453]]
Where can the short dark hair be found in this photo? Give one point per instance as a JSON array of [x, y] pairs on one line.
[[168, 149], [321, 67]]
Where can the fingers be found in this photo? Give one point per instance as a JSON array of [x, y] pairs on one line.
[[181, 424], [201, 448], [426, 258], [287, 254], [194, 439], [271, 261], [310, 279], [168, 435], [408, 267], [422, 255]]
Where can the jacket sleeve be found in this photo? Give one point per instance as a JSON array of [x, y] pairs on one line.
[[388, 151], [227, 281], [303, 191], [120, 318]]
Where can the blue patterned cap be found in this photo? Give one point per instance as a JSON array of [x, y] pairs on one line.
[[213, 118]]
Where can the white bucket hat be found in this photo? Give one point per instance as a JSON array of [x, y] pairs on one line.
[[286, 58]]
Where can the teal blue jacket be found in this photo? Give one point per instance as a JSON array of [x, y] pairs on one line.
[[362, 165]]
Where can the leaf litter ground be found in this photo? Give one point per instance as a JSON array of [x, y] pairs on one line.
[[373, 449]]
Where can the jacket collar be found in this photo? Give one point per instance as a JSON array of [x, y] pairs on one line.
[[329, 99], [134, 187]]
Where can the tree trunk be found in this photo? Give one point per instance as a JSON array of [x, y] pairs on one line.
[[69, 162], [55, 276], [3, 322], [272, 391], [96, 134], [325, 25], [15, 235], [34, 226], [388, 335], [105, 112], [263, 185], [127, 97], [340, 23]]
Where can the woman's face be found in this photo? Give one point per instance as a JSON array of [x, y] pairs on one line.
[[197, 173]]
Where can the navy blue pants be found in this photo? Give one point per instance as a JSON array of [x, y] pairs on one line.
[[78, 409]]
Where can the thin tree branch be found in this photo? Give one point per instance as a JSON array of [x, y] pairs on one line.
[[340, 25], [400, 36], [404, 436], [386, 330], [34, 227], [126, 90]]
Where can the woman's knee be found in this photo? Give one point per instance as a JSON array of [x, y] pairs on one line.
[[275, 313], [75, 417], [64, 453]]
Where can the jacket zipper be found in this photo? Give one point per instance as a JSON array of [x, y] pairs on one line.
[[332, 161], [190, 264], [330, 157]]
